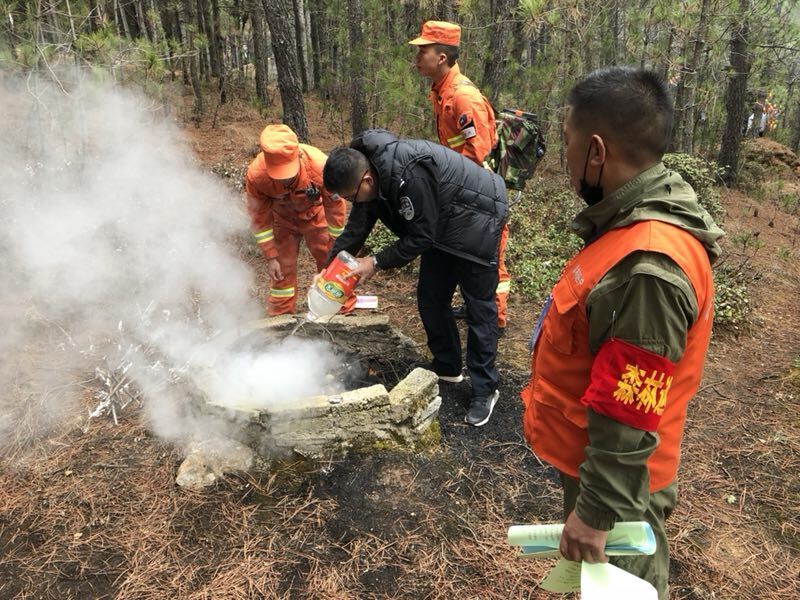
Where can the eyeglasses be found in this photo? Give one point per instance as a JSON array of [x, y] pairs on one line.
[[352, 197]]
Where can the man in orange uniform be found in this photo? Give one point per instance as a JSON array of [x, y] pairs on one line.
[[618, 350], [287, 202], [464, 120]]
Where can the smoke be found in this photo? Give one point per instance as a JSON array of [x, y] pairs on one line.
[[116, 248]]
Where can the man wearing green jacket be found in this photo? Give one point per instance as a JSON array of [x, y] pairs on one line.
[[618, 350]]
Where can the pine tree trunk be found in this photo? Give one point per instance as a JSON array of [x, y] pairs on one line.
[[614, 32], [358, 105], [123, 19], [735, 96], [189, 29], [140, 20], [95, 17], [667, 59], [680, 104], [260, 51], [217, 43], [691, 81], [794, 139], [316, 48], [495, 63], [445, 11], [285, 52], [299, 35]]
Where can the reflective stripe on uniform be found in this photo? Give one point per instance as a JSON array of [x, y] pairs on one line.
[[281, 292], [335, 231], [263, 236], [456, 140], [503, 287]]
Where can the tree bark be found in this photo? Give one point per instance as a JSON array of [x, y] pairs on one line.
[[260, 51], [285, 52], [217, 55], [299, 35], [189, 29], [123, 18], [691, 81], [794, 138], [445, 10], [316, 47], [680, 103], [141, 22], [358, 105], [495, 63], [614, 30], [735, 96]]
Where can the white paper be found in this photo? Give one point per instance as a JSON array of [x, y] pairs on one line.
[[604, 581], [366, 302], [564, 577]]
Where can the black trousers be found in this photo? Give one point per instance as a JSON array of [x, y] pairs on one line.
[[439, 273]]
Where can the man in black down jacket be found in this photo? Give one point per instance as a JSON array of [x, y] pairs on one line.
[[447, 210]]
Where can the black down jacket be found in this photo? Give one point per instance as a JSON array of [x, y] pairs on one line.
[[430, 197]]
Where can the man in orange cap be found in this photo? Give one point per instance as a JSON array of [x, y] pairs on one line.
[[464, 120], [287, 202]]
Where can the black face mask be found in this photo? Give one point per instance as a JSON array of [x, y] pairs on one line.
[[591, 194]]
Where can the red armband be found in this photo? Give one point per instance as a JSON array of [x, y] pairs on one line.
[[629, 384]]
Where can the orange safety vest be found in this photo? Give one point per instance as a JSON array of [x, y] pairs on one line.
[[464, 118], [555, 421]]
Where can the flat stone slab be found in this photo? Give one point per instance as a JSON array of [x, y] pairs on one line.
[[318, 426]]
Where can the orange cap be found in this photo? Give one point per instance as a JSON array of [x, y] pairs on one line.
[[438, 32], [280, 147]]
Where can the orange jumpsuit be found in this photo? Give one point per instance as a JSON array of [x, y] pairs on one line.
[[283, 215], [465, 123]]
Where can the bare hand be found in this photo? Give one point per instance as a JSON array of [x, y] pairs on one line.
[[274, 269], [365, 269], [581, 542]]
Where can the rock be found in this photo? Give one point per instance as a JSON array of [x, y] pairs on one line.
[[208, 460], [318, 426]]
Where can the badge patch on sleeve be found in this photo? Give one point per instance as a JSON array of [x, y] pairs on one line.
[[629, 384], [468, 132], [406, 209]]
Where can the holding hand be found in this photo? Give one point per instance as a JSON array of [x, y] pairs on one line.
[[365, 269], [274, 269], [581, 542]]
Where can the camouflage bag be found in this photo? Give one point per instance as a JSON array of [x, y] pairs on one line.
[[519, 148]]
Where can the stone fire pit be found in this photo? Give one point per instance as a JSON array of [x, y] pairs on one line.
[[318, 426]]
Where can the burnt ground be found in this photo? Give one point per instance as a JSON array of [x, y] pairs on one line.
[[95, 513]]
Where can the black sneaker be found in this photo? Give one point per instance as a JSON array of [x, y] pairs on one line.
[[460, 311], [480, 409]]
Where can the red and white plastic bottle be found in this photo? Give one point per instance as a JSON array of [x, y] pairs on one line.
[[332, 289]]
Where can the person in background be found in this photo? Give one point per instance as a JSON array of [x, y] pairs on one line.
[[287, 202], [464, 122]]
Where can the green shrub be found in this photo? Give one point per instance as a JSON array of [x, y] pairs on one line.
[[379, 239], [732, 294], [541, 239], [702, 175]]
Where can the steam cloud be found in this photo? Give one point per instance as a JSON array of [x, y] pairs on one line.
[[115, 246]]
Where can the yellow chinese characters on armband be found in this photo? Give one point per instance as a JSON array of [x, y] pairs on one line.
[[629, 384]]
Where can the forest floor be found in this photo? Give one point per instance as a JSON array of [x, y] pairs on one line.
[[96, 513]]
